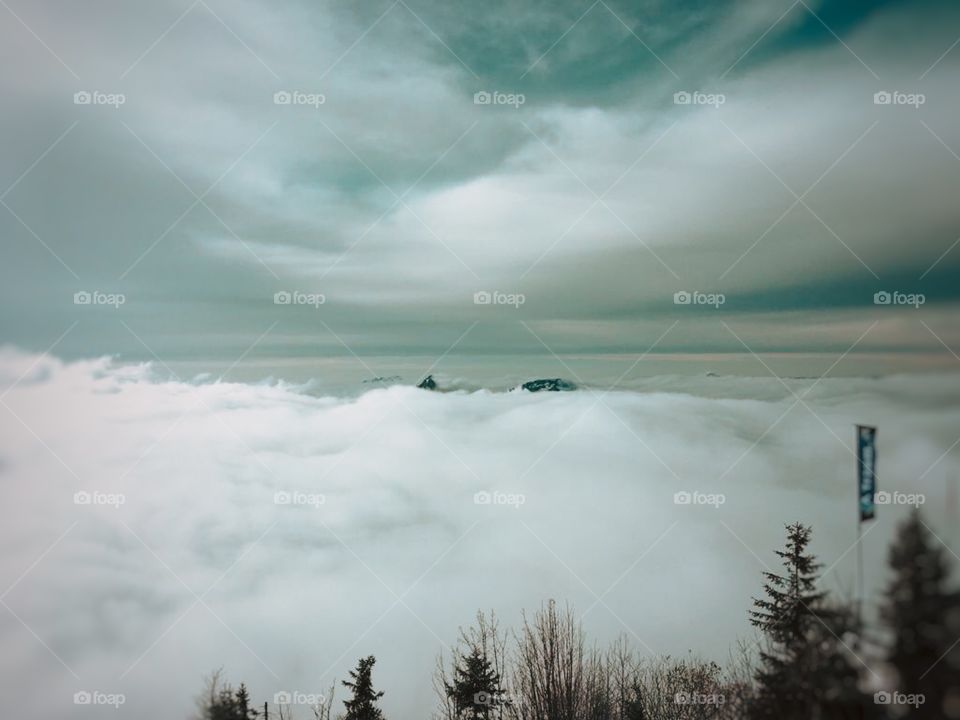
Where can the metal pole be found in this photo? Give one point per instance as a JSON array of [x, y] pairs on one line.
[[856, 430], [951, 505], [859, 576], [859, 645]]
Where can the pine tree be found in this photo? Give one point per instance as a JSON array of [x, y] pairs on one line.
[[918, 609], [362, 706], [788, 611], [225, 703], [832, 670], [804, 672], [244, 710], [475, 690]]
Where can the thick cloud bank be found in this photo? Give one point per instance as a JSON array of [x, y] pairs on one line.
[[399, 197], [283, 535]]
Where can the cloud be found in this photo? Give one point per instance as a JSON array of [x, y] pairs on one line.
[[293, 593], [491, 196]]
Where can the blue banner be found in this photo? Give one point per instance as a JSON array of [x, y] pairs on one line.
[[867, 470]]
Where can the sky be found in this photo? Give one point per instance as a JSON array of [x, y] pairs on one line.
[[385, 190], [734, 225]]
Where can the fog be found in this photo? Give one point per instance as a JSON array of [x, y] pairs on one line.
[[187, 559]]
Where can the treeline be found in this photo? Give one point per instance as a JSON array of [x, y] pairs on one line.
[[814, 659]]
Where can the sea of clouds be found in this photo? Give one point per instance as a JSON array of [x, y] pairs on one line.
[[283, 535]]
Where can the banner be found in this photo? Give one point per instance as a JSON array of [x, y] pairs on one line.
[[867, 470]]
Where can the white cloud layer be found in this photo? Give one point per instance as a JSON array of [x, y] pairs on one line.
[[297, 593]]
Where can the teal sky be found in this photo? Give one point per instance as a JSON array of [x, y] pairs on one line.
[[797, 198]]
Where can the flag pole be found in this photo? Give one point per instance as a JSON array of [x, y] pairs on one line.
[[951, 504], [859, 573], [861, 711], [866, 444], [859, 543]]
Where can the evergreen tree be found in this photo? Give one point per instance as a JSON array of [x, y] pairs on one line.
[[362, 706], [920, 611], [244, 709], [831, 669], [225, 703], [224, 706], [789, 610], [220, 701], [804, 671], [475, 690]]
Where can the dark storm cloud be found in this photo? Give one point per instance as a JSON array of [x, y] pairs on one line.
[[398, 198]]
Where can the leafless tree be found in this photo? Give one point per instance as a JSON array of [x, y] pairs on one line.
[[688, 689], [553, 676], [324, 710], [622, 672], [485, 637], [213, 683], [549, 673]]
